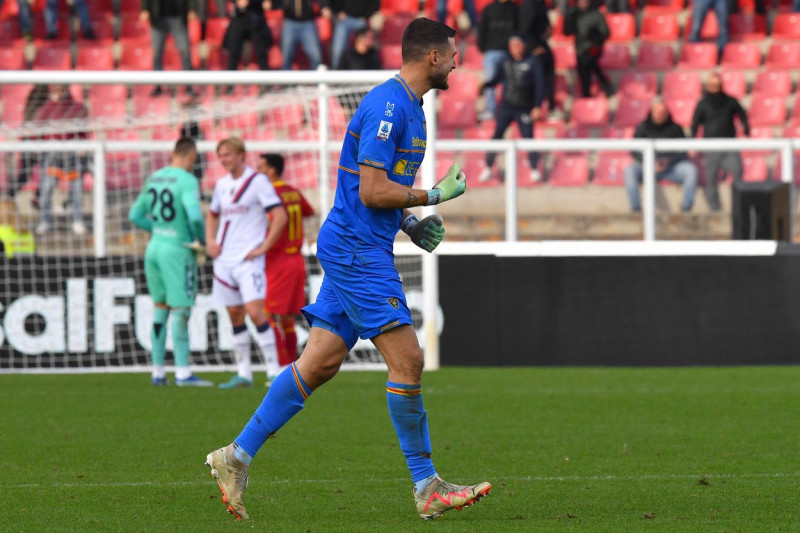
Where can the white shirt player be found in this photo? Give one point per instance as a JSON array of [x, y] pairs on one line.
[[242, 204]]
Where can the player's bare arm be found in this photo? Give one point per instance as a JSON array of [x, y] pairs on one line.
[[279, 218], [212, 225], [377, 191]]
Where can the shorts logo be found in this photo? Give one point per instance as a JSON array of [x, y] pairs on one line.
[[389, 109], [394, 302], [384, 130]]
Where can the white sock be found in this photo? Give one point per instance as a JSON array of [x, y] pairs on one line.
[[183, 372], [241, 347], [159, 372], [269, 349]]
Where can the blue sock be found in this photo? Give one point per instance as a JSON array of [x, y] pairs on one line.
[[411, 424], [284, 399]]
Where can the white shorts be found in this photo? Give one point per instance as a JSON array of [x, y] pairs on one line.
[[239, 283]]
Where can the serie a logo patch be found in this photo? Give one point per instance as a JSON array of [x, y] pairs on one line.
[[384, 130]]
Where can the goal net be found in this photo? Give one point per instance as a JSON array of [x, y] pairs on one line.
[[73, 295]]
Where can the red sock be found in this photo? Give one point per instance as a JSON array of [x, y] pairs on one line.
[[287, 325], [280, 341]]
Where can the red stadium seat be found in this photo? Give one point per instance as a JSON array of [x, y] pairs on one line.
[[708, 31], [195, 28], [462, 83], [52, 59], [590, 112], [610, 132], [783, 55], [682, 84], [661, 27], [792, 131], [107, 93], [276, 27], [133, 31], [569, 170], [638, 84], [758, 132], [754, 168], [681, 109], [130, 7], [136, 58], [621, 26], [766, 110], [108, 111], [94, 58], [698, 55], [741, 55], [459, 113], [610, 168], [484, 130], [473, 58], [564, 56], [13, 58], [631, 112], [391, 56], [325, 30], [9, 31], [392, 29], [655, 56], [658, 7], [215, 30], [153, 107], [734, 83], [103, 26], [391, 7], [747, 27], [13, 111], [474, 163], [786, 26], [773, 82], [615, 57], [558, 32]]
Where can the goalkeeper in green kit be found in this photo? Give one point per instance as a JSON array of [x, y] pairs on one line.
[[169, 208]]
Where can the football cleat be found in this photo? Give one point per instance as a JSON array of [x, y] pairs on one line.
[[441, 496], [159, 382], [236, 382], [193, 381], [232, 480]]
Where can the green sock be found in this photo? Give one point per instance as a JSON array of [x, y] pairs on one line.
[[180, 336], [158, 336]]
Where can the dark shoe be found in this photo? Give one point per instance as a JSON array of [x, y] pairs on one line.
[[157, 91], [51, 36], [89, 35]]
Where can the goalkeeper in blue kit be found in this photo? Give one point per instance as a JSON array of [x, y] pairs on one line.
[[169, 208], [362, 294]]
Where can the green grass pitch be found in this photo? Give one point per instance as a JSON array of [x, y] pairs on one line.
[[566, 449]]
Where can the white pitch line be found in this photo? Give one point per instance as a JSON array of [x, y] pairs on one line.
[[537, 479]]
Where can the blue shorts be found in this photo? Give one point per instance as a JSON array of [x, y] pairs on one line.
[[359, 300]]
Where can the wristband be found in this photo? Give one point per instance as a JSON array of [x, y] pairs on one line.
[[409, 222], [434, 197]]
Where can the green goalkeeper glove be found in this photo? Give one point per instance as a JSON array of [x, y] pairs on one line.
[[426, 233], [199, 251], [452, 185]]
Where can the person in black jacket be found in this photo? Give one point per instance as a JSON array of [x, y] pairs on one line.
[[589, 27], [671, 166], [534, 25], [300, 29], [351, 16], [715, 112], [167, 17], [362, 55], [248, 22], [523, 92], [498, 22]]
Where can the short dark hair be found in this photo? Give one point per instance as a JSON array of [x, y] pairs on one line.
[[275, 161], [185, 146], [423, 35]]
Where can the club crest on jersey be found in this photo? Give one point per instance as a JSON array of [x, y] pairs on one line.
[[394, 302], [384, 130], [389, 109]]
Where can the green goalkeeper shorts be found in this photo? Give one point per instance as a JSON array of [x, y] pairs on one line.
[[171, 274]]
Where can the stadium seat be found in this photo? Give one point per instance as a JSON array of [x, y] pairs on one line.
[[62, 38], [215, 30], [473, 164], [616, 57], [136, 58], [590, 112], [631, 112], [610, 167], [681, 109], [130, 7], [698, 55], [621, 26], [658, 7], [94, 58], [153, 107], [133, 31], [107, 93], [792, 131], [611, 132], [484, 130], [564, 56], [786, 26], [52, 59], [460, 113], [195, 29], [324, 30], [767, 110], [9, 32], [577, 132], [473, 58], [462, 83], [391, 56], [754, 168], [773, 82], [392, 29], [747, 27], [741, 55], [682, 84], [13, 112], [638, 84], [655, 56], [558, 36], [13, 58], [708, 31], [569, 170], [392, 7], [758, 132], [123, 171], [660, 27], [783, 55], [104, 32], [276, 27], [172, 58], [734, 83]]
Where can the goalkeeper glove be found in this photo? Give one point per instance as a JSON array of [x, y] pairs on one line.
[[426, 233], [199, 251], [452, 185]]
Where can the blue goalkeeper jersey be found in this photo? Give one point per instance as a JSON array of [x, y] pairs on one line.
[[386, 132]]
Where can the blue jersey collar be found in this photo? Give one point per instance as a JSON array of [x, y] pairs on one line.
[[410, 93]]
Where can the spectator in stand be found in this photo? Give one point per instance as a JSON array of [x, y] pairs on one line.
[[700, 9], [534, 25], [248, 22], [165, 17], [671, 166], [469, 8], [618, 6], [352, 16], [38, 96], [62, 165], [51, 19], [300, 28], [25, 20], [715, 112], [523, 92], [589, 27], [362, 55], [795, 6], [498, 23]]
